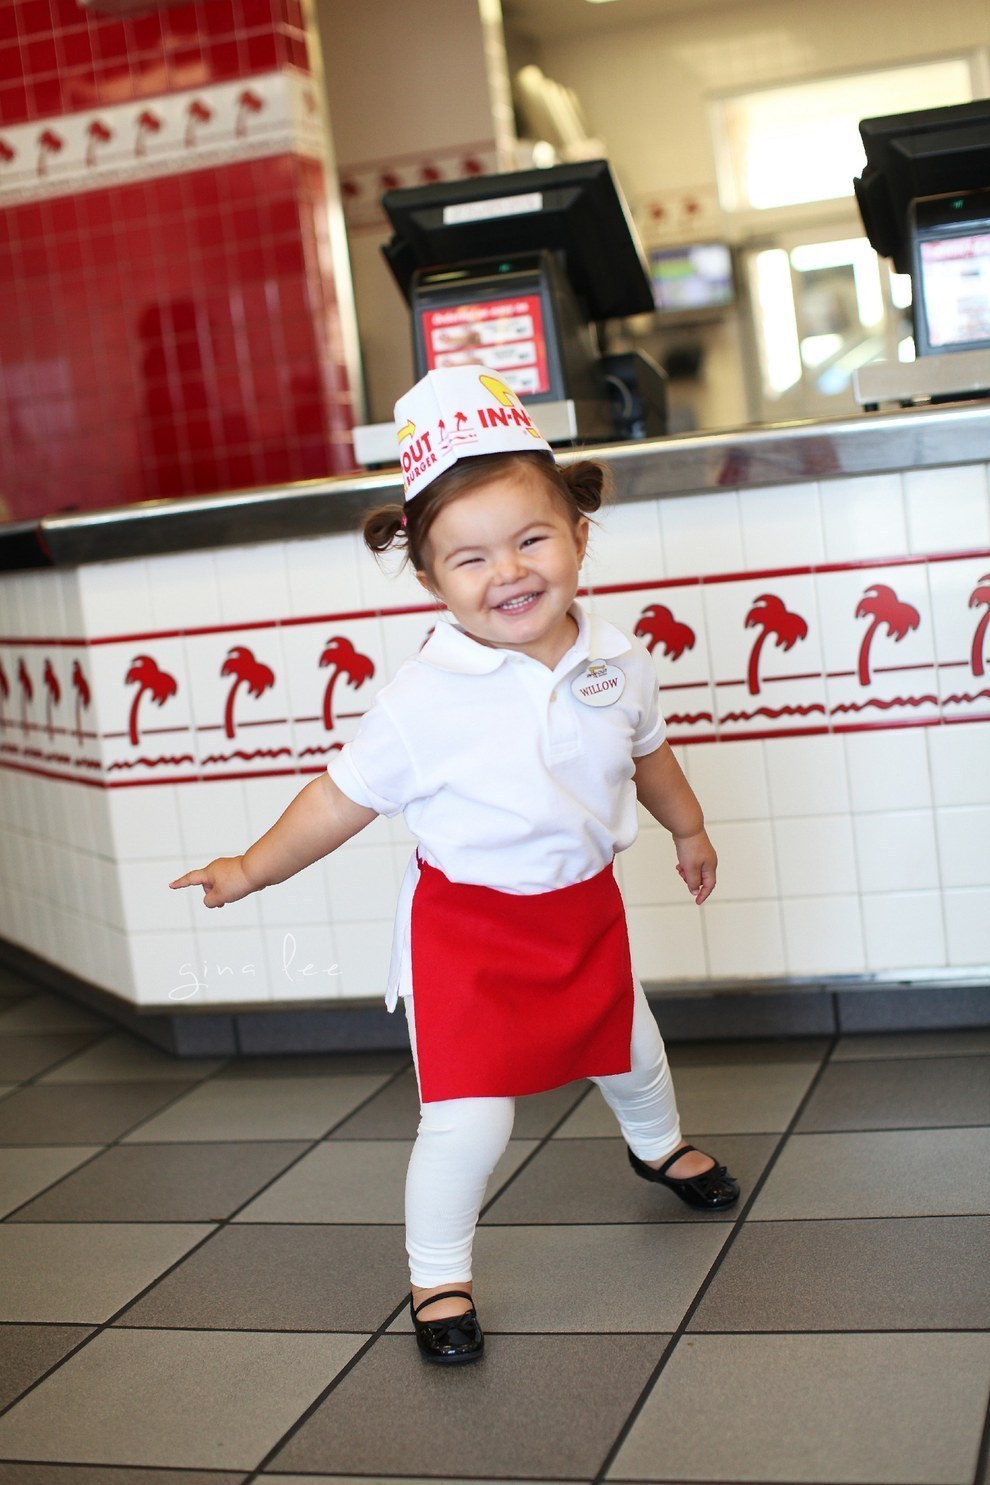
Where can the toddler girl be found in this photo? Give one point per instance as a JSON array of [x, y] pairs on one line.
[[515, 744]]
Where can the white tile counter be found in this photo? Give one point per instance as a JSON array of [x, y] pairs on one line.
[[822, 645]]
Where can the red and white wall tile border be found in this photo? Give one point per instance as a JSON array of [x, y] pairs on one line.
[[756, 654], [249, 118], [363, 182]]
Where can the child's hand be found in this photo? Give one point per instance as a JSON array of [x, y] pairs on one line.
[[224, 880], [696, 863]]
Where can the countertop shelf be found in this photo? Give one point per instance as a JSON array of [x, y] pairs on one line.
[[661, 468]]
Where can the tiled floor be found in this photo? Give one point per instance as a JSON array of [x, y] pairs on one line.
[[202, 1274]]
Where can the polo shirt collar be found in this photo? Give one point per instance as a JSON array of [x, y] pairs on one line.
[[450, 648]]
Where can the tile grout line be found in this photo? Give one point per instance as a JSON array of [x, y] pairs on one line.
[[982, 1472], [183, 1086], [382, 1330], [641, 1481], [539, 1146], [320, 1399], [688, 1316], [665, 1222], [111, 1320], [31, 1081], [741, 1218]]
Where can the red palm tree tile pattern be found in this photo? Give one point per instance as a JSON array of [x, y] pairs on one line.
[[842, 647]]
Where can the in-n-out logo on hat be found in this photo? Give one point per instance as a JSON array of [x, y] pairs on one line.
[[459, 412]]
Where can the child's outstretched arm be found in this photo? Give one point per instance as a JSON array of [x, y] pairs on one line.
[[663, 790], [318, 820]]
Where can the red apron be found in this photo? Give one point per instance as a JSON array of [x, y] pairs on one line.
[[517, 994]]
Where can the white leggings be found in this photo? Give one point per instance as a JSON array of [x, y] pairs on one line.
[[461, 1139]]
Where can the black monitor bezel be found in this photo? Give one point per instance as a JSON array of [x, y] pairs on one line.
[[931, 152], [584, 220]]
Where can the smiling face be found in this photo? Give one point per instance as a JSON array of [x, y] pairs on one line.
[[505, 557]]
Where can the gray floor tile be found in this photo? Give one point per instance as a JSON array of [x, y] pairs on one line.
[[745, 1098], [174, 1398], [617, 1256], [27, 1352], [96, 1474], [761, 1050], [932, 1092], [612, 1280], [282, 1278], [82, 1272], [260, 1109], [394, 1113], [913, 1044], [25, 1056], [280, 1479], [26, 1171], [362, 1181], [163, 1183], [903, 1273], [588, 1181], [883, 1173], [860, 1409], [43, 1012], [79, 1113], [320, 1065], [521, 1411], [123, 1058]]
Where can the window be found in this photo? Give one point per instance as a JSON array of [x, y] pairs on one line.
[[791, 145]]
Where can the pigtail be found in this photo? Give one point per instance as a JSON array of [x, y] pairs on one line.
[[384, 527], [589, 484]]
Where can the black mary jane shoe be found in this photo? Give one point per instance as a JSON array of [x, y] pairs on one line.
[[452, 1340], [711, 1191]]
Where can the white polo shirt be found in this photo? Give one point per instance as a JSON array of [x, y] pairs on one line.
[[504, 776]]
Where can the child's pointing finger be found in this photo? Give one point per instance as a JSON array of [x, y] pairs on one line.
[[204, 877]]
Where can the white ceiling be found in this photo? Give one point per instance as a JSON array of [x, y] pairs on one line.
[[545, 20]]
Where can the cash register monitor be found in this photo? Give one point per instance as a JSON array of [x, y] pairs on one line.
[[516, 271], [576, 212], [924, 197]]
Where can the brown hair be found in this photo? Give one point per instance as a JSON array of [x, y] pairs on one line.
[[581, 487]]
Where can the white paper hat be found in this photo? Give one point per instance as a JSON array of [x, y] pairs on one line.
[[459, 412]]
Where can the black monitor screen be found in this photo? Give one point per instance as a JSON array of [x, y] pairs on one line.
[[930, 153], [575, 211]]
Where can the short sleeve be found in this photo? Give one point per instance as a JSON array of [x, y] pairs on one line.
[[374, 769], [652, 728]]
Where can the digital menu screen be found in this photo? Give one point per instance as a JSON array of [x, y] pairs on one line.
[[506, 335], [698, 276], [955, 289]]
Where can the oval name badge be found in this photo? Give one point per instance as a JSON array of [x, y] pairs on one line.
[[600, 684]]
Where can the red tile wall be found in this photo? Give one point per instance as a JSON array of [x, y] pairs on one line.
[[173, 335], [56, 57]]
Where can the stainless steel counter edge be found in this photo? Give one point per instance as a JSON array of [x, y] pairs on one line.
[[662, 468]]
